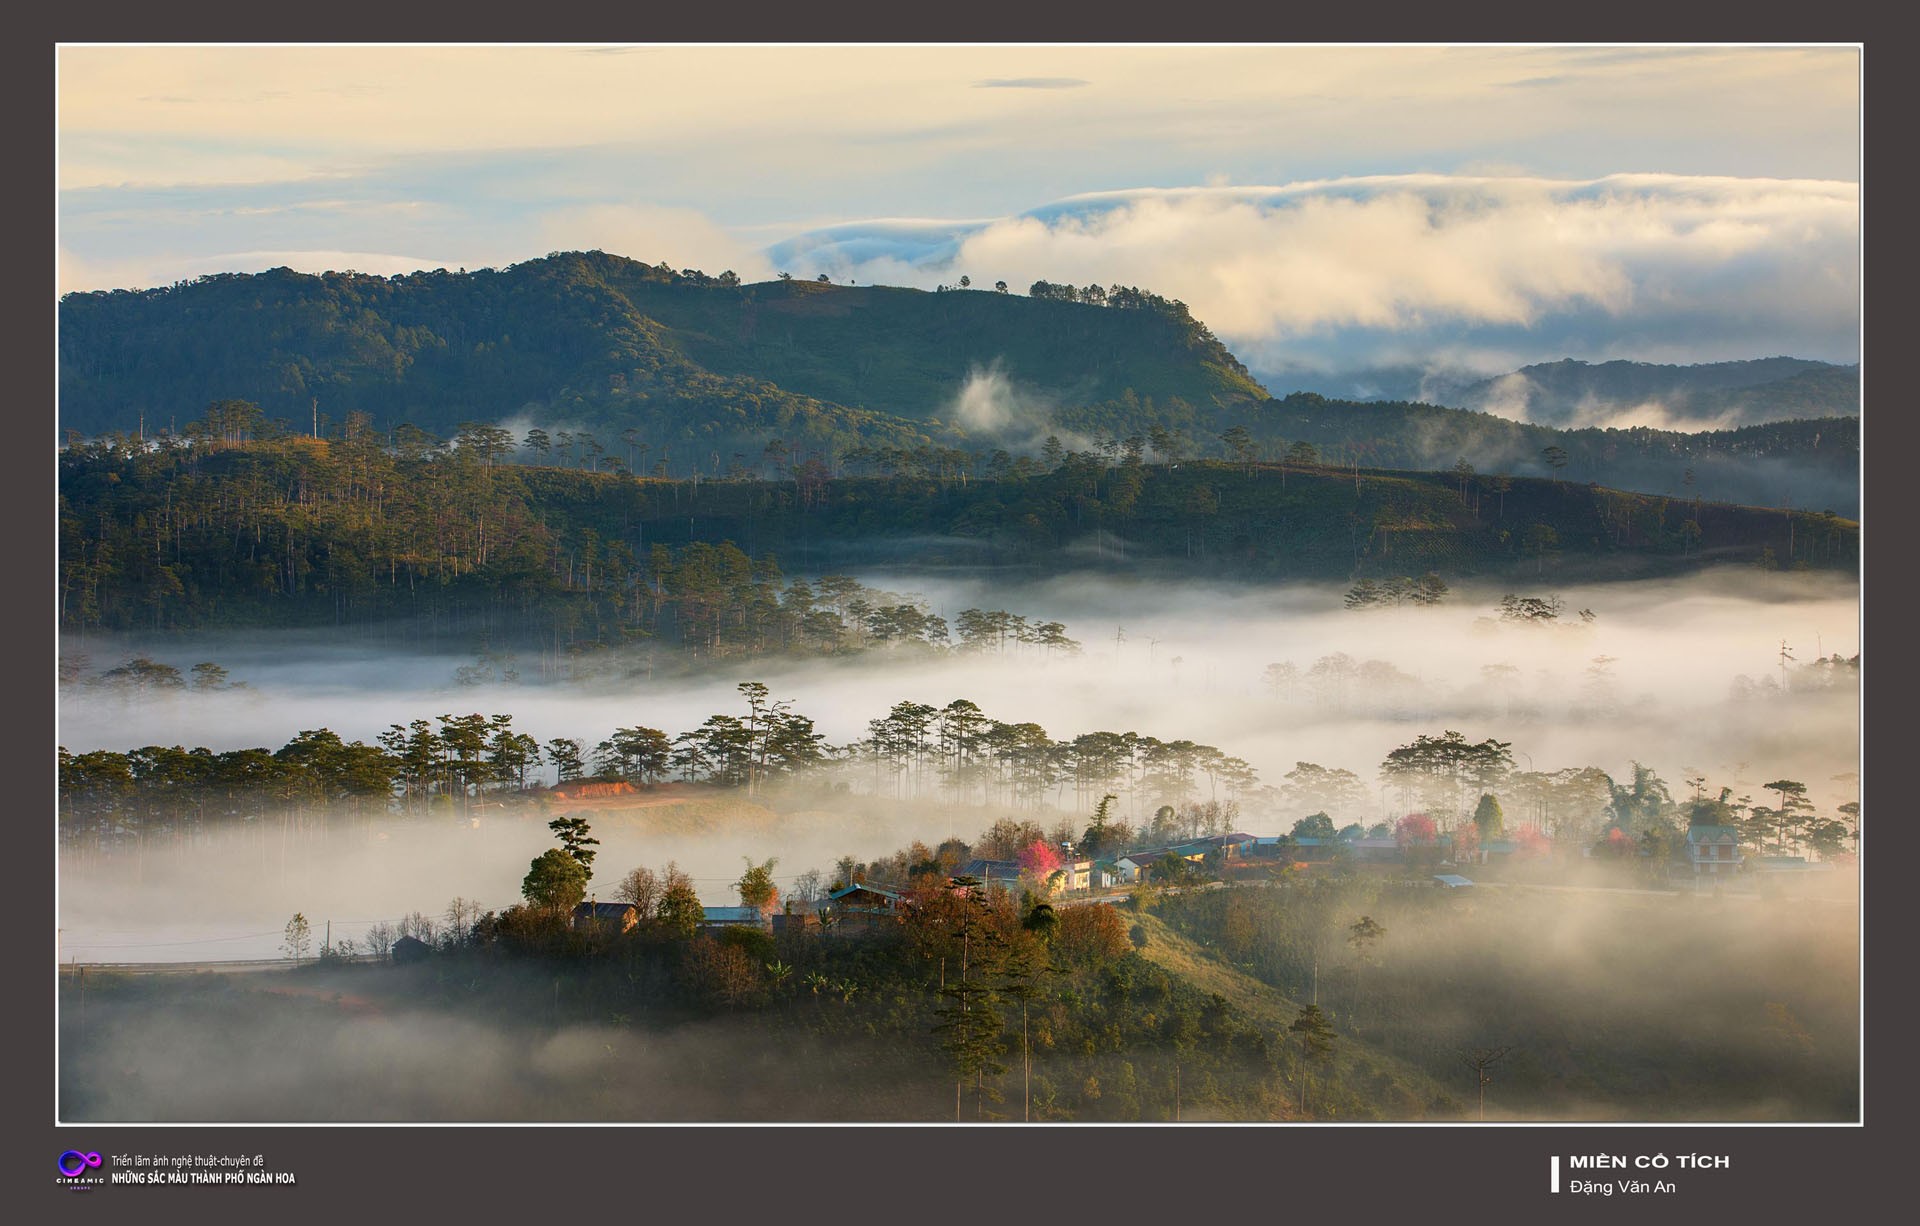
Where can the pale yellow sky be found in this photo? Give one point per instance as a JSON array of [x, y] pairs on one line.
[[256, 113], [1509, 201]]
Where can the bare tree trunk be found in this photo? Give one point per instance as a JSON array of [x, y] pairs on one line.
[[1026, 1066]]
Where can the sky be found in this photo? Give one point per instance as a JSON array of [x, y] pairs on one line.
[[1321, 208]]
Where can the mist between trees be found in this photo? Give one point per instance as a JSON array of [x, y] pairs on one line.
[[112, 802], [1218, 991]]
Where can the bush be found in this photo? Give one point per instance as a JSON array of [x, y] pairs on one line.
[[752, 942], [1090, 935], [722, 974]]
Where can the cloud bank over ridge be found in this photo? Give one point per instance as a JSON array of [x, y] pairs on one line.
[[1478, 271]]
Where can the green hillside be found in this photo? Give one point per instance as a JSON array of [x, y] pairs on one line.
[[630, 366], [686, 360]]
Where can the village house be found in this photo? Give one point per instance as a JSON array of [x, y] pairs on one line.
[[1713, 850], [994, 874], [1485, 853], [606, 917], [733, 917], [1233, 846], [1075, 875], [1304, 849], [1376, 849], [859, 907], [804, 921]]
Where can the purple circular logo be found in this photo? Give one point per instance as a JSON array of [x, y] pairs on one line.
[[74, 1164]]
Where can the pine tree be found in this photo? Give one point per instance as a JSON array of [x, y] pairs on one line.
[[1316, 1042], [969, 1023], [576, 839]]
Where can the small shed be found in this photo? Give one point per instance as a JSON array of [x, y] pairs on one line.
[[796, 921], [411, 949]]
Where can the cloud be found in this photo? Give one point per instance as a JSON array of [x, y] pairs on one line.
[[995, 409], [90, 162], [1031, 83], [684, 238], [885, 250], [1428, 260]]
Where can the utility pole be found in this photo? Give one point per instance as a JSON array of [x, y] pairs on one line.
[[1481, 1060]]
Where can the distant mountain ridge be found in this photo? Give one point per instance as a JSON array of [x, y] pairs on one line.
[[1714, 394], [1576, 394], [642, 367]]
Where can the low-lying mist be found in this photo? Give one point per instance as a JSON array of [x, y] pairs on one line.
[[1683, 676], [230, 896], [267, 1049], [1164, 659], [1594, 1004], [1605, 1004]]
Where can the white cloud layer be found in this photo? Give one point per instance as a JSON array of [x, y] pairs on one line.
[[1279, 269]]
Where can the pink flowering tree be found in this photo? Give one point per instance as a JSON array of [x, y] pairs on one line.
[[1039, 859], [1418, 839], [1415, 829]]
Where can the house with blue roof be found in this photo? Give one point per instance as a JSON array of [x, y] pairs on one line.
[[733, 917], [860, 906]]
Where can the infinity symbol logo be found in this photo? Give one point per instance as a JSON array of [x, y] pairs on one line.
[[74, 1164]]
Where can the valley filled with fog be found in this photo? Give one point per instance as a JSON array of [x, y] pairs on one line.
[[1684, 677]]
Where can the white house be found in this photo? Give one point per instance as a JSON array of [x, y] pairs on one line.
[[1713, 850]]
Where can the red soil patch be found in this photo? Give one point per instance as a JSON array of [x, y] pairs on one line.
[[632, 798]]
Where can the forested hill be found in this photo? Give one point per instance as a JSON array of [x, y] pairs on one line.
[[610, 363], [304, 530], [689, 361]]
